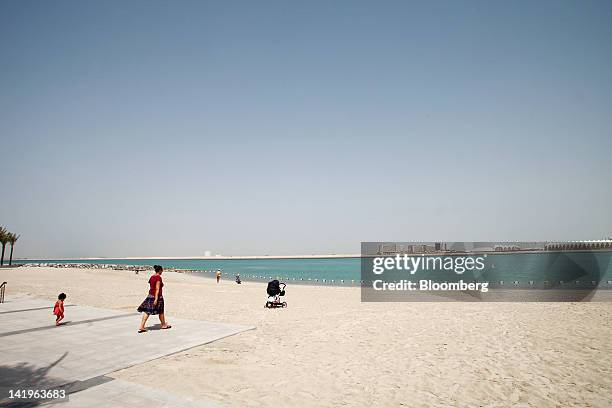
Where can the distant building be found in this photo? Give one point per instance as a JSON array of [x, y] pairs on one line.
[[395, 248], [506, 248], [579, 245], [207, 253]]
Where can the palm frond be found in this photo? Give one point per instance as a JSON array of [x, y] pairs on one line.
[[4, 236]]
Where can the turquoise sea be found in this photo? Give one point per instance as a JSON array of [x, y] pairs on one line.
[[314, 270], [510, 267]]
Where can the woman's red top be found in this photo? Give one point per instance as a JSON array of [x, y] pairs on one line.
[[153, 281]]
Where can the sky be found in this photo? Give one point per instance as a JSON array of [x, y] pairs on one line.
[[157, 128]]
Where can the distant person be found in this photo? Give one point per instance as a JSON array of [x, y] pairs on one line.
[[238, 281], [154, 303], [218, 275], [58, 309]]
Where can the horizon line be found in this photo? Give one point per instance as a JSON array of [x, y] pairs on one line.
[[220, 257]]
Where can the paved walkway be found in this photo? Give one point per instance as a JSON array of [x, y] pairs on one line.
[[94, 342], [123, 394]]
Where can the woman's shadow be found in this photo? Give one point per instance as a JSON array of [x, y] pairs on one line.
[[157, 326]]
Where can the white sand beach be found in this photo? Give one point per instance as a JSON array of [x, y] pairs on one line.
[[327, 349]]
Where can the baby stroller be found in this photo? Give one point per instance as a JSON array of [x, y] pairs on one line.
[[274, 294]]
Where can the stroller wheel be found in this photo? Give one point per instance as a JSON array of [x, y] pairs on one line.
[[284, 304]]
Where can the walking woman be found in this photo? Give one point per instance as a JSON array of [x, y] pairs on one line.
[[154, 303]]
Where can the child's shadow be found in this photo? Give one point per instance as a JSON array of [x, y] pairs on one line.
[[64, 323]]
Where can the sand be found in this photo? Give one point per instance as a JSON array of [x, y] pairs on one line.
[[327, 349]]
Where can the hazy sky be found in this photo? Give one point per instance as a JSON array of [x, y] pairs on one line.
[[149, 128]]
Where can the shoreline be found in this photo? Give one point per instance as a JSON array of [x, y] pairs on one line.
[[494, 286]]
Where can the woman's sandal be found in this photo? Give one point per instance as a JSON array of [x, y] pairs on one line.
[[167, 327], [142, 330]]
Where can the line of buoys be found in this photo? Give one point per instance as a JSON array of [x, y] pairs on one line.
[[141, 268], [516, 283]]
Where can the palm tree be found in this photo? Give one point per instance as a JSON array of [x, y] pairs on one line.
[[12, 239], [3, 240]]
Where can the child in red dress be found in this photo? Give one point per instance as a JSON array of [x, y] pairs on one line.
[[58, 310]]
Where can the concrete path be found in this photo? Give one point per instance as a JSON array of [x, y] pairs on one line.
[[123, 394], [94, 342]]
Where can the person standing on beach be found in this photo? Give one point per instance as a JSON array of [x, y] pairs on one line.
[[154, 303], [58, 309], [218, 275]]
